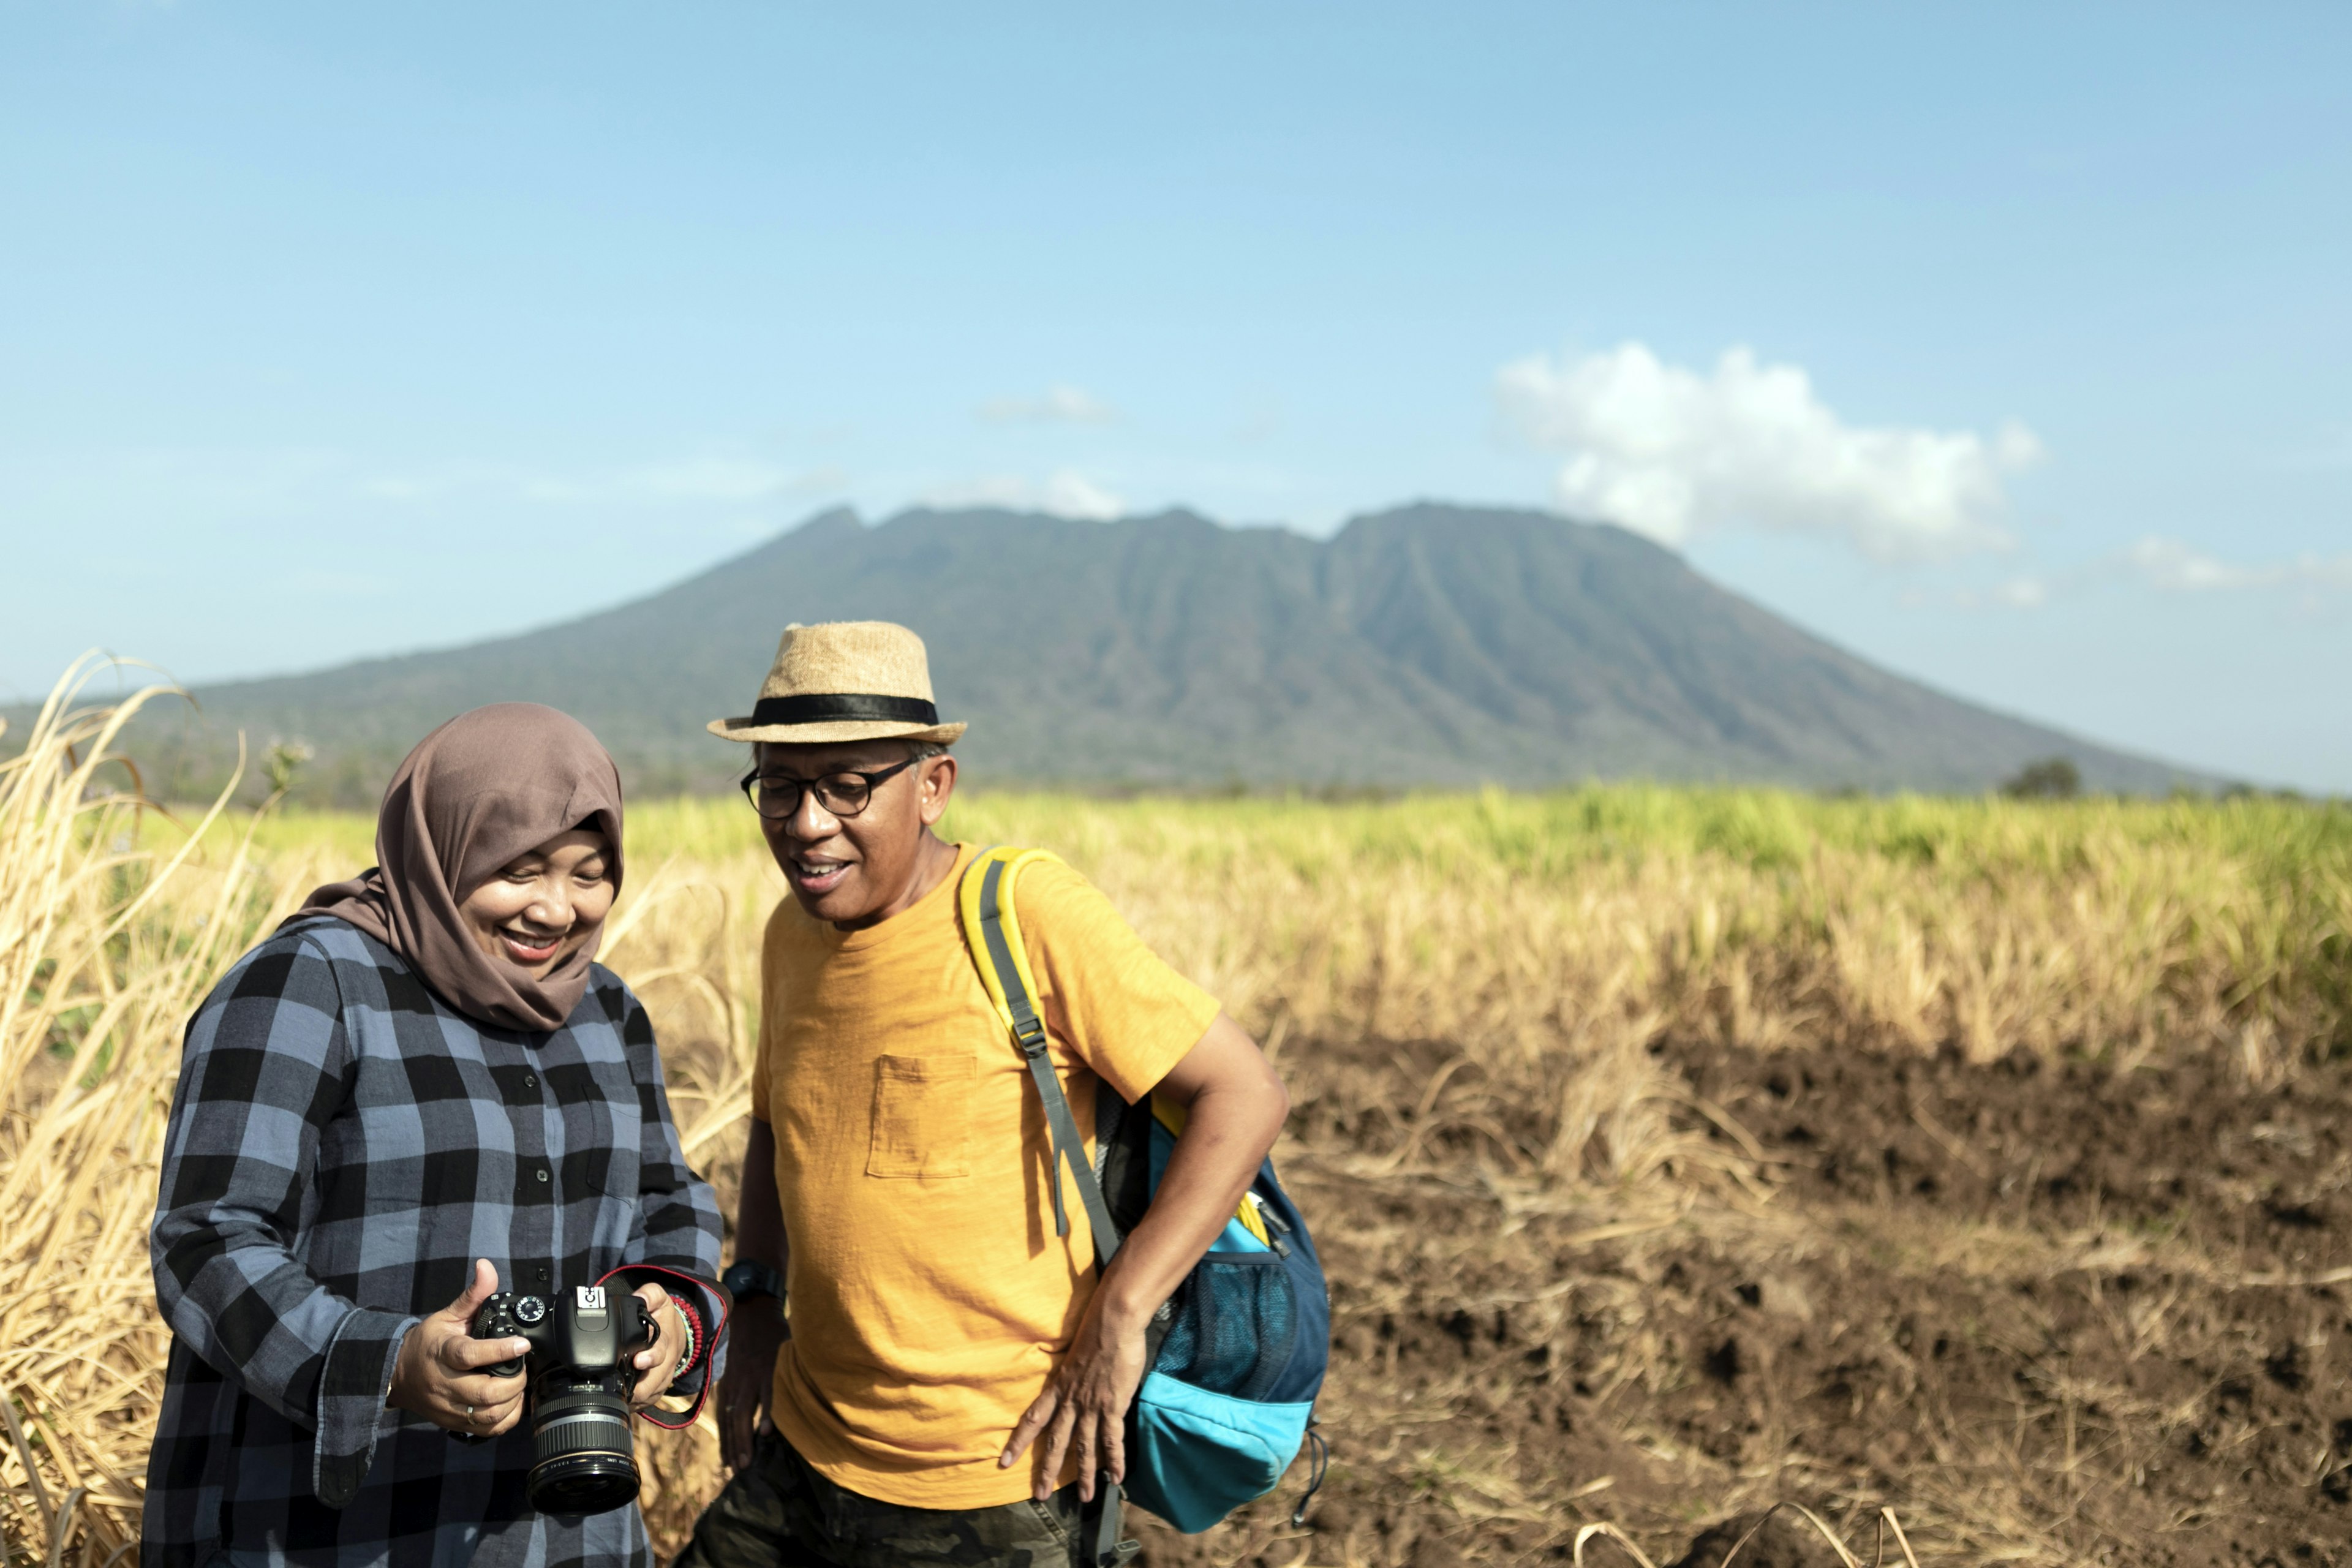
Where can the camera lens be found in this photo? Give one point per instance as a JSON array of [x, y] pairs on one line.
[[584, 1458]]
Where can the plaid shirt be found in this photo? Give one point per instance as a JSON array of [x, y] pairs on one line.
[[342, 1145]]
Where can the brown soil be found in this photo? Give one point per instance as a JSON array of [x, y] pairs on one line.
[[2046, 1313]]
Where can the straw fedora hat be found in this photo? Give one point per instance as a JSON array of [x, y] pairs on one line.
[[843, 681]]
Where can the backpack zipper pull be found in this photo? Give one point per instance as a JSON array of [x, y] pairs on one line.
[[1275, 1229]]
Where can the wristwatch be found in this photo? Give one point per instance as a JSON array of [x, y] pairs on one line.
[[747, 1277]]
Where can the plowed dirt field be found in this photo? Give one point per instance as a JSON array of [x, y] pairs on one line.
[[2046, 1313]]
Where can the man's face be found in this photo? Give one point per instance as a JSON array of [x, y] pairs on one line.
[[854, 869]]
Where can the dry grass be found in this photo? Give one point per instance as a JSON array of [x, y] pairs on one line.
[[97, 970], [1524, 955]]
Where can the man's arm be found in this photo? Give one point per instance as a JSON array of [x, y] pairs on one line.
[[1235, 1107], [757, 1329]]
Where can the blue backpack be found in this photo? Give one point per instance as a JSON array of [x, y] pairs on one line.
[[1237, 1356]]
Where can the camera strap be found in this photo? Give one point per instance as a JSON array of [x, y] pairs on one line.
[[713, 1293]]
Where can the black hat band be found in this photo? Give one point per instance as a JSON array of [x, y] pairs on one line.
[[839, 707]]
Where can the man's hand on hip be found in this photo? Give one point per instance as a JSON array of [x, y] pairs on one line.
[[1086, 1404]]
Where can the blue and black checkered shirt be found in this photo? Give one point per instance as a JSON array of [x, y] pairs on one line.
[[342, 1145]]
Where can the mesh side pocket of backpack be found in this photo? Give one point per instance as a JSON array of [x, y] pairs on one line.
[[1234, 1326]]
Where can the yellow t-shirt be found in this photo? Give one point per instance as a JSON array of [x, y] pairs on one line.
[[931, 1299]]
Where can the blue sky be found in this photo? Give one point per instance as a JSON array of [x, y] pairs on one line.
[[2006, 346]]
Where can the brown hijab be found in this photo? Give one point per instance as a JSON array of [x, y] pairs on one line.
[[477, 792]]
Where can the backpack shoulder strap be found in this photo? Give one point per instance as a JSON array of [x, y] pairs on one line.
[[992, 930]]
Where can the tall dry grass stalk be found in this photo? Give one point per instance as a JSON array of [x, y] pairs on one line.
[[105, 948]]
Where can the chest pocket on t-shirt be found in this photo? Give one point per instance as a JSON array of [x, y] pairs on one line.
[[922, 1108]]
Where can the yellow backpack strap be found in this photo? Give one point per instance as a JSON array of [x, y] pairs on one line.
[[992, 930]]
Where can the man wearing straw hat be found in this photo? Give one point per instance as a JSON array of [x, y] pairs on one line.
[[951, 1380]]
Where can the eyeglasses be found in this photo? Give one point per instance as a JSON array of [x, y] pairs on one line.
[[777, 797]]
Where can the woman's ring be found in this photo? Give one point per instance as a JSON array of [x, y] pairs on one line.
[[469, 1413]]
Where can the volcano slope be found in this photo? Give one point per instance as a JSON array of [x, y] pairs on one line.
[[2048, 1312]]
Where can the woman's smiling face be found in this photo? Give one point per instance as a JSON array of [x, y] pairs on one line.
[[538, 911]]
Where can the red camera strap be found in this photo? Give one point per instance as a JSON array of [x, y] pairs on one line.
[[708, 1351]]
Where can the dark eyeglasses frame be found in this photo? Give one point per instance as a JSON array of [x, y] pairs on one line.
[[752, 792]]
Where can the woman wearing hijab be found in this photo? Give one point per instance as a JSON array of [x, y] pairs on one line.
[[420, 1090]]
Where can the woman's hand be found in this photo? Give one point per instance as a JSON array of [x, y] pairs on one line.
[[438, 1372], [658, 1363], [755, 1334], [1086, 1401]]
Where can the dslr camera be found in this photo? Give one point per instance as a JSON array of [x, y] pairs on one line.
[[581, 1345]]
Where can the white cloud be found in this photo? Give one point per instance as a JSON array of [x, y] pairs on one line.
[[1060, 405], [2177, 567], [2023, 593], [1067, 493], [2172, 565], [1675, 453], [2167, 566]]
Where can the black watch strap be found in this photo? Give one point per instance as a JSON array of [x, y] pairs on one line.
[[747, 1277]]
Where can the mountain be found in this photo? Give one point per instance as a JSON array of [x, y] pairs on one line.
[[1432, 643]]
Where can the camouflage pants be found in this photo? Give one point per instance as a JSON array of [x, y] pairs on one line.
[[779, 1513]]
